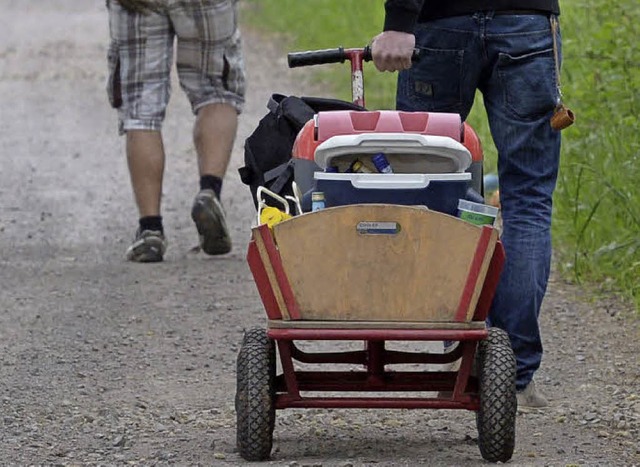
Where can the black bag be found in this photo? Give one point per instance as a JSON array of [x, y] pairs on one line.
[[267, 151]]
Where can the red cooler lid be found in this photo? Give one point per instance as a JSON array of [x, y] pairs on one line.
[[349, 122]]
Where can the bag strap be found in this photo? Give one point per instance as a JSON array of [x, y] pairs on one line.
[[282, 174], [294, 109], [274, 102]]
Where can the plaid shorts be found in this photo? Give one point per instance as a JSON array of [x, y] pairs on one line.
[[209, 59]]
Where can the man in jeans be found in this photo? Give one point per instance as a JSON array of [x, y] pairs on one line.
[[211, 72], [505, 49]]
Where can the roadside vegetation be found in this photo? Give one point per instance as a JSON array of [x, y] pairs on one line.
[[597, 203]]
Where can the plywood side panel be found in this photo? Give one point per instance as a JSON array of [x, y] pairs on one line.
[[416, 271]]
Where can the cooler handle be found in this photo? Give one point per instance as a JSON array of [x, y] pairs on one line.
[[385, 182]]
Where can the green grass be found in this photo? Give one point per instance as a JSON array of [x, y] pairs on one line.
[[597, 217], [597, 203]]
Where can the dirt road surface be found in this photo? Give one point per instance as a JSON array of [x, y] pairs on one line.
[[103, 362]]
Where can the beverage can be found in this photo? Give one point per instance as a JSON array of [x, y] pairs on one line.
[[381, 163], [317, 201], [358, 167]]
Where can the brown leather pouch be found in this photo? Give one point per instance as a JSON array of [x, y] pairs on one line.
[[562, 118]]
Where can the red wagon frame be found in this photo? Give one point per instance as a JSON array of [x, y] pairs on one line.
[[456, 389]]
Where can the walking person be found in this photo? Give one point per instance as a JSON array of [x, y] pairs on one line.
[[509, 50], [211, 73]]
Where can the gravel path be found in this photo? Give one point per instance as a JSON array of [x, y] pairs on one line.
[[110, 363]]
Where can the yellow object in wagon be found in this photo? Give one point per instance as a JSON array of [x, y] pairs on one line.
[[272, 216]]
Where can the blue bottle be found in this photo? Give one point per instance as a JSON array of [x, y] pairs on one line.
[[381, 163]]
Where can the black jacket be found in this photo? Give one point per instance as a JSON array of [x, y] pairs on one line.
[[402, 15]]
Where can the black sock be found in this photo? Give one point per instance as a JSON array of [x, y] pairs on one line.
[[211, 182], [151, 223]]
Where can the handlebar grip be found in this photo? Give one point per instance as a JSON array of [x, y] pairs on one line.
[[316, 57], [367, 57]]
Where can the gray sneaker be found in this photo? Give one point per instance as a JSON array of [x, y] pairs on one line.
[[208, 215], [148, 247], [531, 398]]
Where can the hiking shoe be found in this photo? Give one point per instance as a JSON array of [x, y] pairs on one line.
[[531, 398], [148, 247], [208, 215]]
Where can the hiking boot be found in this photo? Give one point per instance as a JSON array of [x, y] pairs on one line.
[[531, 398], [148, 247], [208, 215]]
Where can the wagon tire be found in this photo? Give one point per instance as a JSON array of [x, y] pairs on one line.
[[255, 335], [496, 417], [255, 396]]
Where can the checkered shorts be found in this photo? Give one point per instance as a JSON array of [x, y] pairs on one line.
[[209, 59]]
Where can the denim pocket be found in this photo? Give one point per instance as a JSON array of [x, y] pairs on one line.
[[114, 83], [433, 83], [529, 83]]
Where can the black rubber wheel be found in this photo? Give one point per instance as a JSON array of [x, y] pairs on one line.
[[496, 418], [498, 337], [255, 396], [255, 335]]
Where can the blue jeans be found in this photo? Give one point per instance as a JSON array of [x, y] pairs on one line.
[[510, 59]]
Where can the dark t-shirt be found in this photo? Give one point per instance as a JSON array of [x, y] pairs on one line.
[[402, 15]]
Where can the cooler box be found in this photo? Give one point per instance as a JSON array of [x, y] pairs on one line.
[[394, 132], [438, 192]]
